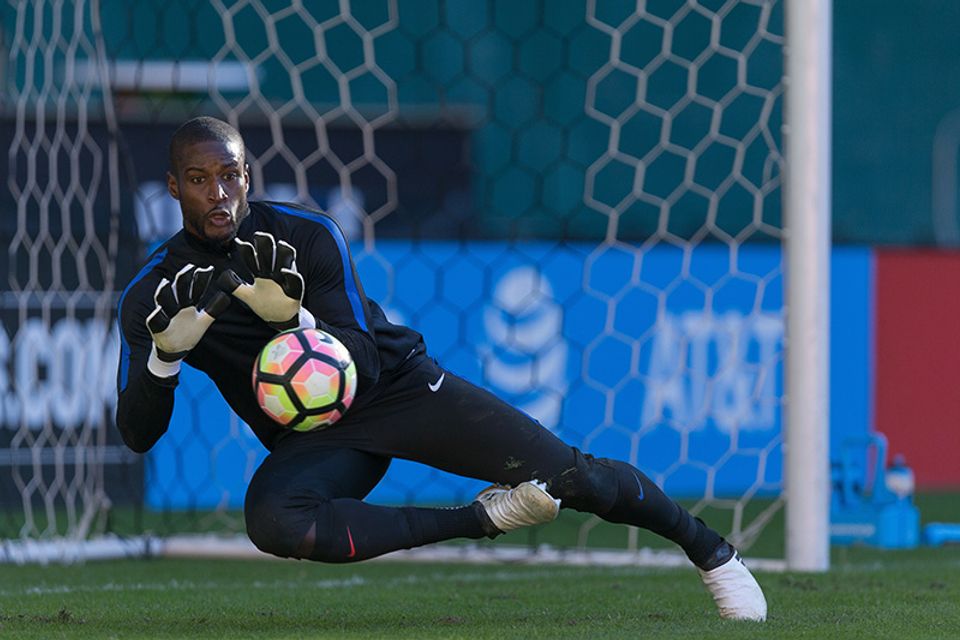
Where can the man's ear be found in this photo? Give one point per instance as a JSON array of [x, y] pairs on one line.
[[172, 187], [246, 178]]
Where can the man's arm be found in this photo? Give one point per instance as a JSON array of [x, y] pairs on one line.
[[156, 333], [335, 297], [144, 408]]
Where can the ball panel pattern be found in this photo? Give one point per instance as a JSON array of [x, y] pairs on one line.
[[305, 379], [276, 402], [317, 383], [280, 354]]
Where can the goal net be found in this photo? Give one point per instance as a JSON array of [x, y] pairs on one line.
[[577, 203]]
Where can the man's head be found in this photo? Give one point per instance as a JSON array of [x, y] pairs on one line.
[[210, 177]]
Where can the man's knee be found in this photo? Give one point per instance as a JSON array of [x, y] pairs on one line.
[[282, 524], [268, 519], [590, 485]]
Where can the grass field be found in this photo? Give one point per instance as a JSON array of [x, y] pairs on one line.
[[867, 594]]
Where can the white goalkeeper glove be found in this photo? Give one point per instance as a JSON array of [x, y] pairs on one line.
[[183, 314], [277, 290]]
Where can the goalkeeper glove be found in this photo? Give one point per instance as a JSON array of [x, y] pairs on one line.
[[277, 290], [181, 317]]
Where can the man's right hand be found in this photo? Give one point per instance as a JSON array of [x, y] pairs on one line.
[[183, 314]]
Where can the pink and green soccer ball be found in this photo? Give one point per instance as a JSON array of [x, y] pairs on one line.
[[304, 379]]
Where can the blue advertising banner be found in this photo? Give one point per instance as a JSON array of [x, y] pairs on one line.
[[669, 358]]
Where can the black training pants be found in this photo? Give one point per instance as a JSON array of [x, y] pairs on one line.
[[306, 499]]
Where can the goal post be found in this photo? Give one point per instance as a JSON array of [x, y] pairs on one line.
[[588, 207], [808, 242]]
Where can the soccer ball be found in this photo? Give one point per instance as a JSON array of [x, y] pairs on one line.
[[304, 379]]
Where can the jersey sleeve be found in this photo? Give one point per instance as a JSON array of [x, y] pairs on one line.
[[145, 401], [335, 297]]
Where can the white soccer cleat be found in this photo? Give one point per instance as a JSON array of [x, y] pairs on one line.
[[525, 505], [735, 590]]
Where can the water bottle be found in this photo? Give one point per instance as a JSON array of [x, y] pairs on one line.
[[899, 478]]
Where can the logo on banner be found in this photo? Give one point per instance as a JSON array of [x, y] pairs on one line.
[[715, 369], [527, 355], [65, 373]]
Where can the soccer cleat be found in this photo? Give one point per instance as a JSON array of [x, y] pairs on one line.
[[526, 504], [735, 590]]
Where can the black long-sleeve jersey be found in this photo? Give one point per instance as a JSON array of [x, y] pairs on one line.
[[332, 293]]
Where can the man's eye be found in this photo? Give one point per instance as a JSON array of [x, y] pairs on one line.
[[196, 180], [230, 176]]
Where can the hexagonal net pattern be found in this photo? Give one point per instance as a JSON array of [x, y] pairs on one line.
[[690, 99], [58, 227], [577, 203]]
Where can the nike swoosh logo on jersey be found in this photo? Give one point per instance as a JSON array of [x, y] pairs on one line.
[[435, 386]]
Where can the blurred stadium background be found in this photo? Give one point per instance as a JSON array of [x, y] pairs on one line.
[[578, 203]]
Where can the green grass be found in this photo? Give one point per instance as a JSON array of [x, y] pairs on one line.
[[868, 593], [890, 595]]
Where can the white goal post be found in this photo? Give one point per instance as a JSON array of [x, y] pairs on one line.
[[808, 214], [616, 215]]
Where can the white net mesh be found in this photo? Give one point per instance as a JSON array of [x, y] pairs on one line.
[[577, 203], [60, 221], [690, 95]]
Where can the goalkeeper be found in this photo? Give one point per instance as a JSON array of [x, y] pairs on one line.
[[240, 271]]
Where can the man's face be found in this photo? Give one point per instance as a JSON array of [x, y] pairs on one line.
[[211, 185]]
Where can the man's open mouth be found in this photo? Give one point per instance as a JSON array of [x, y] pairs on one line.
[[219, 217]]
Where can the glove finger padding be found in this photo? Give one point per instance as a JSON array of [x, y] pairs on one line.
[[166, 299], [228, 281], [216, 305], [248, 255], [158, 321], [286, 257], [234, 285], [201, 283], [266, 248], [183, 286], [292, 284]]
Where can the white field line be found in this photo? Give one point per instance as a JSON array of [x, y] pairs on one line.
[[239, 547]]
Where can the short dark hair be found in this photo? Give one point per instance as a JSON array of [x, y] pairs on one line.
[[201, 129]]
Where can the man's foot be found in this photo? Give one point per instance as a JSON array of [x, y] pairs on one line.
[[733, 587], [526, 504]]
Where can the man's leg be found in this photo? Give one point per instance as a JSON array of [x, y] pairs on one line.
[[439, 419], [305, 501], [468, 431]]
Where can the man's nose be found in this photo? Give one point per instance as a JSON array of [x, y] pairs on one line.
[[217, 192]]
